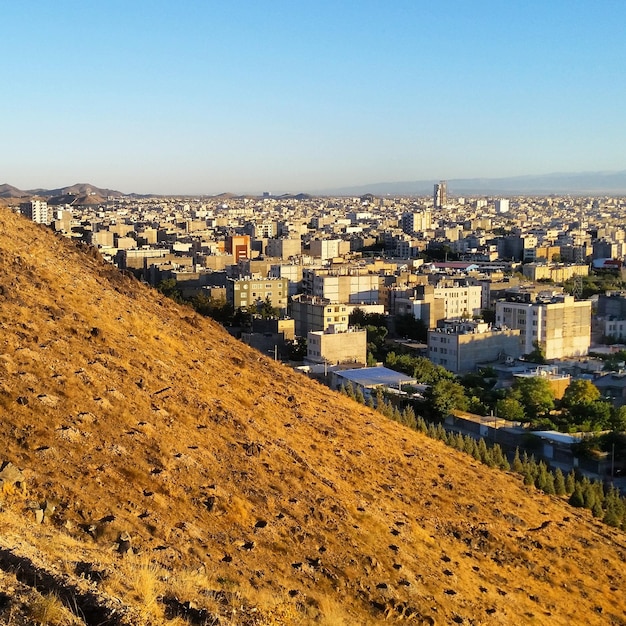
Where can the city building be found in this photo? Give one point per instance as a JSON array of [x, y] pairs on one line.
[[238, 246], [502, 205], [440, 195], [37, 211], [245, 292], [368, 379], [342, 286], [311, 313], [328, 248], [339, 343], [416, 222], [560, 325], [460, 347]]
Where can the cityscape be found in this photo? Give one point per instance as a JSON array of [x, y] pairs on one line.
[[495, 325], [334, 333], [469, 283]]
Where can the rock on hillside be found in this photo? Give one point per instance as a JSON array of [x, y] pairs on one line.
[[173, 475]]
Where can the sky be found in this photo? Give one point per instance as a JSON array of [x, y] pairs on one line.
[[208, 96]]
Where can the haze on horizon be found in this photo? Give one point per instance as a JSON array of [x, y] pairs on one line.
[[150, 97]]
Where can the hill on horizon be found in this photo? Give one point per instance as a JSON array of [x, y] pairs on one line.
[[162, 472], [582, 183]]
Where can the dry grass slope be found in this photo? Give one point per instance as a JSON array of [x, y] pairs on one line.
[[188, 477]]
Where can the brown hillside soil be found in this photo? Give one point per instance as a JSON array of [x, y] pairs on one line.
[[181, 466]]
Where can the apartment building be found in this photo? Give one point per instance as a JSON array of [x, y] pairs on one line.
[[245, 292], [349, 286], [460, 347], [339, 343], [311, 313], [560, 324]]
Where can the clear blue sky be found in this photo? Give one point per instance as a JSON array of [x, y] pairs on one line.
[[207, 96]]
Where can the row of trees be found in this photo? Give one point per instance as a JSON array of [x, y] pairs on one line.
[[604, 501]]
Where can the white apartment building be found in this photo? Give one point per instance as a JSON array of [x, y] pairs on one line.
[[353, 287], [460, 301], [38, 211], [329, 248]]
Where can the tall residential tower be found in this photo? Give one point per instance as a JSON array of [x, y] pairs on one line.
[[440, 194]]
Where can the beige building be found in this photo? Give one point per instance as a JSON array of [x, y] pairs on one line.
[[283, 248], [555, 273], [311, 313], [422, 304], [245, 292], [337, 344], [460, 347], [342, 286], [329, 248], [561, 325], [460, 300]]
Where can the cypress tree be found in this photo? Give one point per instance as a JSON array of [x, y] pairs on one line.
[[612, 517], [549, 486], [570, 482], [350, 391], [482, 451], [577, 499], [518, 466], [559, 482], [408, 417], [421, 425], [597, 510], [541, 477], [529, 479], [589, 495]]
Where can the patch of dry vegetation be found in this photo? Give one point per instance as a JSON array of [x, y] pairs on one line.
[[194, 477]]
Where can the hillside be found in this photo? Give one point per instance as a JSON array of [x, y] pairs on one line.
[[183, 478]]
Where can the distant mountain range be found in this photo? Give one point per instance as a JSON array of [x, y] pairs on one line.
[[80, 193], [582, 183], [585, 183]]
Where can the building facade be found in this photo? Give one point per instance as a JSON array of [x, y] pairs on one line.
[[337, 344], [461, 347], [560, 325], [246, 292]]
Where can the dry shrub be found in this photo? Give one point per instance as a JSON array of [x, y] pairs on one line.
[[48, 610], [187, 584], [139, 581]]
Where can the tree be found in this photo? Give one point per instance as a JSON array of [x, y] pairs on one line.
[[510, 409], [577, 498], [409, 326], [537, 355], [445, 395], [297, 349], [217, 308], [559, 482], [580, 391], [617, 421], [169, 288], [535, 395], [266, 310]]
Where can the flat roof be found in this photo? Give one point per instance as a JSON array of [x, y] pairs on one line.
[[374, 376], [557, 437]]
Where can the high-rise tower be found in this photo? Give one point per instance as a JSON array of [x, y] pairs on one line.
[[440, 195]]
